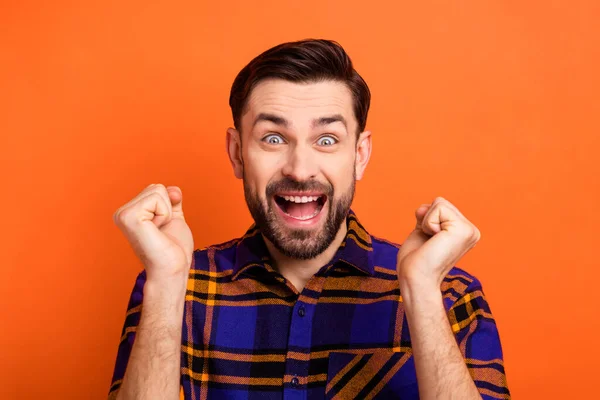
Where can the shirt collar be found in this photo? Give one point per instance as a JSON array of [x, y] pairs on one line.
[[356, 250]]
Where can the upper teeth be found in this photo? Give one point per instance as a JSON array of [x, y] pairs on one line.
[[301, 199]]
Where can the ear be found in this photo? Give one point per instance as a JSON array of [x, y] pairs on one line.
[[363, 153], [234, 150]]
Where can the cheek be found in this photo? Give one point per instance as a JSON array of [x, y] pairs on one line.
[[340, 176], [263, 166], [258, 174]]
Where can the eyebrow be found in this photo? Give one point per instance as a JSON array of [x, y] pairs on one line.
[[329, 120], [277, 120]]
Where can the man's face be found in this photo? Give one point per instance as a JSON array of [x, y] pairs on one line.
[[298, 156]]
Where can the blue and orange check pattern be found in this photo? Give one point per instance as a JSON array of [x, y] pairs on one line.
[[247, 333]]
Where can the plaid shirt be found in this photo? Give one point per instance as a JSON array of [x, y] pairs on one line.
[[249, 334]]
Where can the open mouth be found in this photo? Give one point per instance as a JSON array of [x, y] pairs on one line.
[[301, 207]]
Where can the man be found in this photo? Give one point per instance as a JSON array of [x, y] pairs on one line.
[[306, 304]]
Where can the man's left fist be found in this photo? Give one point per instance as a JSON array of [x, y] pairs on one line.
[[441, 237]]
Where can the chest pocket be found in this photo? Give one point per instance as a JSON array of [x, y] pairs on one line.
[[381, 374]]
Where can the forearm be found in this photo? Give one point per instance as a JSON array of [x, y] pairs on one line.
[[441, 369], [153, 370]]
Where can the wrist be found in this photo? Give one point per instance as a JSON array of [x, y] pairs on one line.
[[166, 293], [420, 293], [418, 282], [170, 278]]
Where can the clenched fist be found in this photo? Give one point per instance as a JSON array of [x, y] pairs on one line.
[[442, 236], [154, 225]]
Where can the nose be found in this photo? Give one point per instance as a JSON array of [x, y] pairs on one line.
[[300, 164]]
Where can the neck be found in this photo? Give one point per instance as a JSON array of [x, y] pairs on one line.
[[298, 272]]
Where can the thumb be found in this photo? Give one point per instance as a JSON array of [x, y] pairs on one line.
[[176, 197], [417, 237], [420, 214]]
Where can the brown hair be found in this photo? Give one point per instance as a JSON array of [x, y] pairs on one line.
[[309, 60]]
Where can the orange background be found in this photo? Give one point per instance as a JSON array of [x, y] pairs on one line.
[[492, 105]]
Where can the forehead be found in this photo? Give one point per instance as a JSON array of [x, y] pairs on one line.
[[300, 100]]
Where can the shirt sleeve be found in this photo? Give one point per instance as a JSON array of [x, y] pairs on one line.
[[479, 341], [132, 319]]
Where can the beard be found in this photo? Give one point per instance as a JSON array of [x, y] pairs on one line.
[[302, 244]]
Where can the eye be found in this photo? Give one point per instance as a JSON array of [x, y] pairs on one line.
[[273, 139], [326, 141]]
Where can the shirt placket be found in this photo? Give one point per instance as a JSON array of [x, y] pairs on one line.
[[299, 340]]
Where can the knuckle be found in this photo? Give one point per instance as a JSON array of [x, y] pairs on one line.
[[118, 215], [157, 196], [160, 195], [162, 190], [475, 235], [115, 216], [125, 215]]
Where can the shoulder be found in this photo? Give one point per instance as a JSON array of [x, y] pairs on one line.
[[459, 281], [459, 287], [455, 285], [384, 253], [216, 257]]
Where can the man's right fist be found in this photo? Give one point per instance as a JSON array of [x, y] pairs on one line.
[[154, 226]]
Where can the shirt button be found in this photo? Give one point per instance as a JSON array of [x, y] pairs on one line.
[[301, 311], [295, 381]]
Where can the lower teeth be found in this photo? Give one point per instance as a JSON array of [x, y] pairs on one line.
[[307, 216]]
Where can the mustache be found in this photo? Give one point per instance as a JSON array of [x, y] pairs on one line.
[[288, 184]]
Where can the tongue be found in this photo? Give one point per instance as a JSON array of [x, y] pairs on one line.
[[301, 210]]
